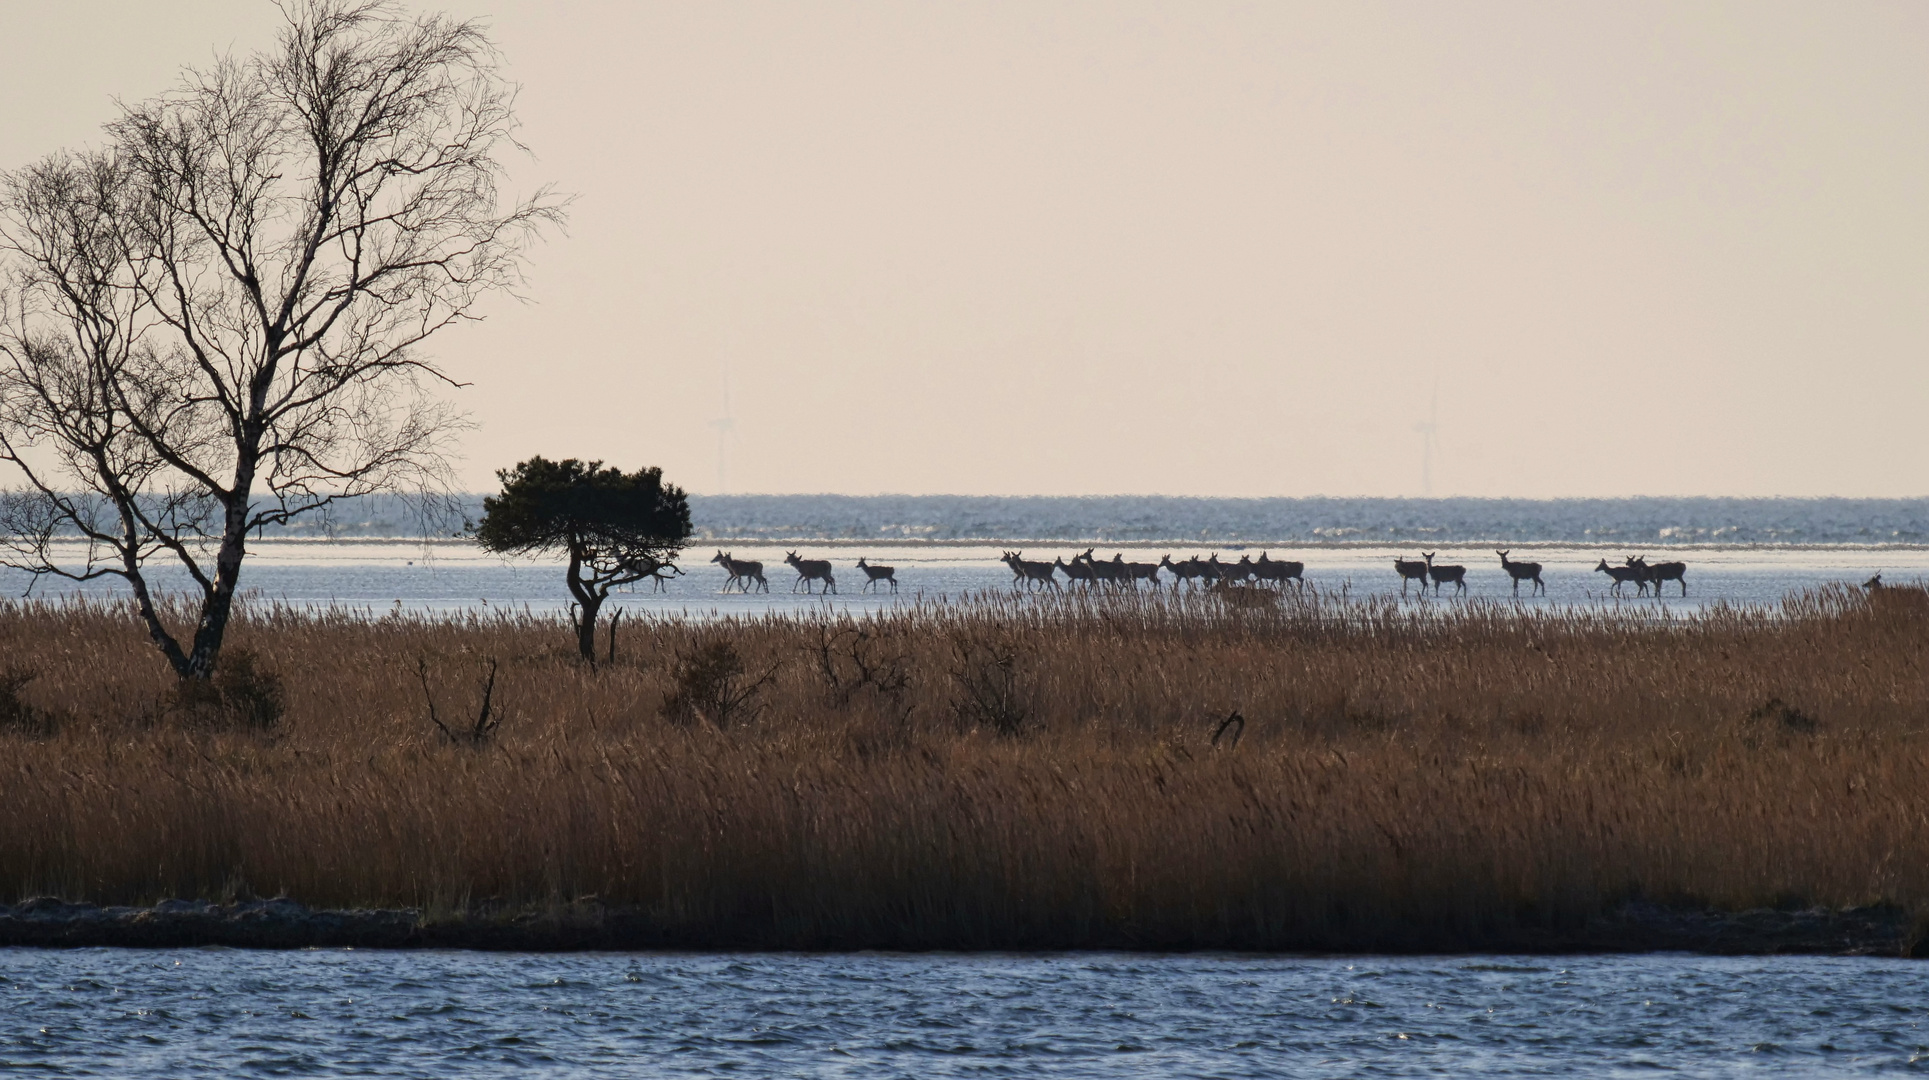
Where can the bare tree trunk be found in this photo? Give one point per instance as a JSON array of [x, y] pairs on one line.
[[591, 599]]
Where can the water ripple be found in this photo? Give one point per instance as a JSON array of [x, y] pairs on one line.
[[225, 1013]]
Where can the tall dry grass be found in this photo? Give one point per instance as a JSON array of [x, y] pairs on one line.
[[999, 773]]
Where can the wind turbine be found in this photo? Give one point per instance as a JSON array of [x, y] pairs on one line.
[[1428, 431], [726, 426]]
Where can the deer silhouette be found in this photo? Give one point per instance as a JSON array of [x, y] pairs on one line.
[[1184, 571], [1622, 575], [1033, 574], [1239, 571], [1134, 572], [810, 571], [1522, 571], [742, 572], [1440, 574], [1410, 570], [1279, 573], [1075, 571], [658, 581], [874, 574], [1659, 572]]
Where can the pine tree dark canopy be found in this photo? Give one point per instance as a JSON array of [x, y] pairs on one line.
[[616, 527]]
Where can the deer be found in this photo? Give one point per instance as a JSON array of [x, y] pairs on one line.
[[810, 571], [1033, 574], [1622, 575], [1410, 570], [659, 582], [1134, 572], [1107, 572], [1659, 572], [1075, 571], [1523, 571], [1192, 568], [1905, 601], [874, 574], [1439, 574], [1238, 571], [742, 572], [1278, 573]]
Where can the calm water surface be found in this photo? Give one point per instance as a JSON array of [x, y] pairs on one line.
[[211, 1012]]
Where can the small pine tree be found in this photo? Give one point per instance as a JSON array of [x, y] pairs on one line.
[[615, 527]]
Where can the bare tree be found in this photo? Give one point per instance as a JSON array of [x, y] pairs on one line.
[[214, 323]]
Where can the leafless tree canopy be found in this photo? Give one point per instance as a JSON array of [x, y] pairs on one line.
[[214, 323]]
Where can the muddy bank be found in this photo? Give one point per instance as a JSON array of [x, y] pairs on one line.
[[285, 924]]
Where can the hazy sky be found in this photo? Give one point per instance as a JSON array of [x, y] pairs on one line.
[[1188, 248]]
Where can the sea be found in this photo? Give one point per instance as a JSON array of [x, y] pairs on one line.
[[224, 1012], [235, 1013], [384, 555]]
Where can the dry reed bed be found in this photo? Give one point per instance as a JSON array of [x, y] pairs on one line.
[[1011, 773]]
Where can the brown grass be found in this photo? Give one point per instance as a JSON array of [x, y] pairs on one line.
[[1001, 773]]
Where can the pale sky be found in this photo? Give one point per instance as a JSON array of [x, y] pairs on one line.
[[1181, 248]]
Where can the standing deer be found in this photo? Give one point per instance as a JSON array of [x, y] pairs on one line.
[[1523, 571], [810, 571], [875, 574], [1622, 575], [742, 572], [1279, 573], [1902, 601], [1439, 574], [1033, 574], [1410, 570], [1659, 572]]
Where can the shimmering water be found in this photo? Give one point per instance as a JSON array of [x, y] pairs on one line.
[[448, 575], [216, 1012]]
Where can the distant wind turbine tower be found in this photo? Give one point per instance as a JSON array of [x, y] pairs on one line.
[[1428, 431], [726, 426]]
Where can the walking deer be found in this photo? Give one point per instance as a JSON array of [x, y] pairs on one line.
[[1659, 572], [1239, 571], [1279, 573], [810, 571], [1075, 571], [1622, 575], [1439, 574], [1033, 574], [1523, 571], [742, 572], [1107, 572], [1134, 572], [874, 574], [1185, 571], [659, 582], [1410, 570]]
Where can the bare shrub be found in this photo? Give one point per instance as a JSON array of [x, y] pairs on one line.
[[989, 689], [712, 684], [863, 662], [488, 717]]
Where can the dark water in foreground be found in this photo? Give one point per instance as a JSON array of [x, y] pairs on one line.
[[228, 1013]]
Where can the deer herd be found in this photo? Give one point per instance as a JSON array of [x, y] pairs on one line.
[[1088, 570]]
